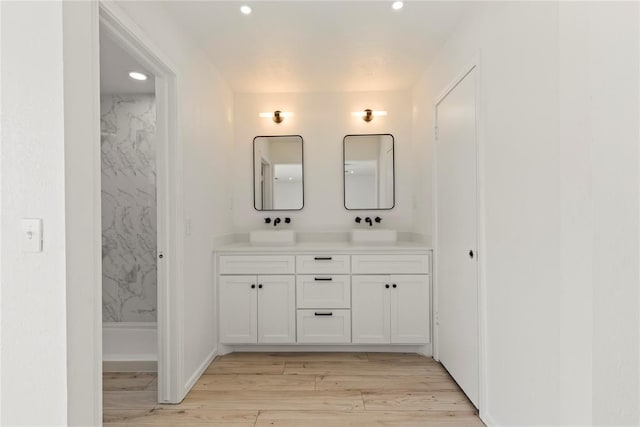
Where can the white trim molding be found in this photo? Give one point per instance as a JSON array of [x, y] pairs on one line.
[[198, 373]]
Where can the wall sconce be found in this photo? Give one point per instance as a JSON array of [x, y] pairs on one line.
[[277, 116], [368, 115]]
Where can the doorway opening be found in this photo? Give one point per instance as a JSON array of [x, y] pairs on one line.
[[140, 184], [129, 211]]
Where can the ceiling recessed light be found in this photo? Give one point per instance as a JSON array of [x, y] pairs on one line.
[[137, 76], [245, 9], [397, 5]]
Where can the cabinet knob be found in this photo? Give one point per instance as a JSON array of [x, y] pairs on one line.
[[260, 286], [386, 286], [471, 254], [253, 286], [395, 286]]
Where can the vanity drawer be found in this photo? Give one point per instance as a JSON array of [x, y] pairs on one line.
[[324, 326], [390, 264], [322, 264], [323, 291], [257, 264]]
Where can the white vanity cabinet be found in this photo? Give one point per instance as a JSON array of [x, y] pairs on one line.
[[257, 308], [343, 297], [390, 308]]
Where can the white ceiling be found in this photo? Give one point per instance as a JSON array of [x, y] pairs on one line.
[[308, 46], [115, 65]]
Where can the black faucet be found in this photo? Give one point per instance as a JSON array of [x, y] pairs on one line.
[[276, 222], [368, 221]]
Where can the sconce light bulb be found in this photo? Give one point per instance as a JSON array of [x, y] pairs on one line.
[[277, 116], [368, 114]]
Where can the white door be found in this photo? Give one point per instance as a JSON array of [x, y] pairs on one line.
[[457, 275], [276, 309], [238, 310], [370, 317], [410, 309]]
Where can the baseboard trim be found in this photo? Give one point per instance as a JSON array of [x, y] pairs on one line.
[[129, 366], [420, 349], [198, 373], [487, 419]]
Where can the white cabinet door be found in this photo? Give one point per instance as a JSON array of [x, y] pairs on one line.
[[370, 315], [276, 309], [409, 309], [238, 310]]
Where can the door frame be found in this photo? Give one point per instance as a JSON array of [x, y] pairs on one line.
[[129, 36], [472, 66]]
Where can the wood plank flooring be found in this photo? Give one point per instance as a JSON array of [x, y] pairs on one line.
[[299, 389]]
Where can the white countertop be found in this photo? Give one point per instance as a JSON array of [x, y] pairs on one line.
[[333, 247]]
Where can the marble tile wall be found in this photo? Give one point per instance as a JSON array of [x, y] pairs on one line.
[[129, 273]]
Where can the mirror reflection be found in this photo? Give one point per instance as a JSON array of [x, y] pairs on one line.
[[369, 176], [278, 179]]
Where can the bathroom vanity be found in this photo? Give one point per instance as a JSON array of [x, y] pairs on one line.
[[362, 289], [320, 294]]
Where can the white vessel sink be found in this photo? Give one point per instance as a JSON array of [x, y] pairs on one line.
[[272, 237], [373, 236]]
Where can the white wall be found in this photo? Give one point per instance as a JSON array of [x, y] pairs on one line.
[[322, 119], [559, 165], [206, 130], [33, 313], [612, 34]]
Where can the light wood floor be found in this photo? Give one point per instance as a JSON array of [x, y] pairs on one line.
[[299, 389]]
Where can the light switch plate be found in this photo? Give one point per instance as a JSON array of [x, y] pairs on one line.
[[31, 234]]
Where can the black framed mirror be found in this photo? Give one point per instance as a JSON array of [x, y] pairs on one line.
[[369, 172], [278, 173]]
